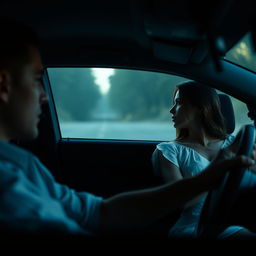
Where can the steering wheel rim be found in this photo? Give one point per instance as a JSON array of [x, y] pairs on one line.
[[218, 203]]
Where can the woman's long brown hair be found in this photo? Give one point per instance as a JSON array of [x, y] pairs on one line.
[[207, 100]]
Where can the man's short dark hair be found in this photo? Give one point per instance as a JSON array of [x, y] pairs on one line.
[[15, 40]]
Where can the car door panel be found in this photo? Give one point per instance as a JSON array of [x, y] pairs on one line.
[[107, 167]]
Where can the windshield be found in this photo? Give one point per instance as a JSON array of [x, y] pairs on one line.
[[243, 53]]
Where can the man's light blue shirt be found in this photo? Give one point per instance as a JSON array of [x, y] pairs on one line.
[[31, 200]]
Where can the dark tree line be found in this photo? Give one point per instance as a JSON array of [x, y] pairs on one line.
[[133, 95], [140, 95], [75, 93], [243, 53]]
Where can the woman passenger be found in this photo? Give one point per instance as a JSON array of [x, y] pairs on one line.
[[200, 135]]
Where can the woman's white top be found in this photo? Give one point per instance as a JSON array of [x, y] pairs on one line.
[[190, 163]]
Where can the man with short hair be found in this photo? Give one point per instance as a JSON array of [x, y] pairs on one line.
[[30, 199]]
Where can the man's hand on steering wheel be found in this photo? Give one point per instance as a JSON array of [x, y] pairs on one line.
[[229, 174]]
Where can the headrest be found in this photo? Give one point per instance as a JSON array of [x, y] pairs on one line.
[[228, 112]]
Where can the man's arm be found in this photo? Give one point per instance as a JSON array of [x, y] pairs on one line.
[[24, 208], [138, 209], [171, 174]]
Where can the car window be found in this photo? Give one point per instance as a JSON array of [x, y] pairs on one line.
[[101, 103], [241, 113], [243, 53]]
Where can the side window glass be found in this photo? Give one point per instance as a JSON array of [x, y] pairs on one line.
[[100, 103], [241, 114]]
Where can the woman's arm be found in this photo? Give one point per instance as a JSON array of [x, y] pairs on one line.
[[171, 173]]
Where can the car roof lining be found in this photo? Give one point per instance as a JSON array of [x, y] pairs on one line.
[[133, 28], [128, 34]]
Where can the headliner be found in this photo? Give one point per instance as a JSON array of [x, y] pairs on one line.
[[132, 32]]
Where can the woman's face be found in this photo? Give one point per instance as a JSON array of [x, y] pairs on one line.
[[184, 115]]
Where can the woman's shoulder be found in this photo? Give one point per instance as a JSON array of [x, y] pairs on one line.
[[171, 146], [168, 144]]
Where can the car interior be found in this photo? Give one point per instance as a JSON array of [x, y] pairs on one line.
[[185, 38]]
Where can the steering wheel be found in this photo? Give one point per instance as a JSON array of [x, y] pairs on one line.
[[219, 202]]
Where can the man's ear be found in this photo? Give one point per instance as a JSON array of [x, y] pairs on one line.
[[5, 85]]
